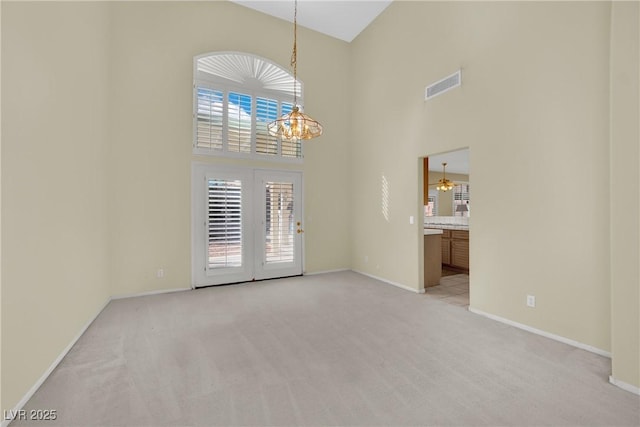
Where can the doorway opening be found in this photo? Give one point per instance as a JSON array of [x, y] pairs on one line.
[[447, 205]]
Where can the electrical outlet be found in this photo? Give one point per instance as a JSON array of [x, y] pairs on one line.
[[411, 220], [160, 273], [366, 259], [531, 301]]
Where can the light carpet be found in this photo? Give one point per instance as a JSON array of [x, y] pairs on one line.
[[334, 349]]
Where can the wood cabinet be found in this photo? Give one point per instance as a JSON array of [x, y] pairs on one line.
[[455, 249], [446, 247], [432, 260]]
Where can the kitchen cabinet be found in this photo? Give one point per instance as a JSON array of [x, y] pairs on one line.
[[455, 249], [432, 259], [446, 247]]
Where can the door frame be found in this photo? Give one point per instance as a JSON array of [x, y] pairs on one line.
[[200, 170], [264, 271]]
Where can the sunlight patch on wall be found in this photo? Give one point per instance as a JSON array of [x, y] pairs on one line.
[[385, 198]]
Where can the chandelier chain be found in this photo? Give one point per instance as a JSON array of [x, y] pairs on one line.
[[294, 53], [295, 125]]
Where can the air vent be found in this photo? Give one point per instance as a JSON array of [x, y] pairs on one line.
[[441, 86]]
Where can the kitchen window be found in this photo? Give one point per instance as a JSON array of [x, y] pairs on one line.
[[461, 201], [431, 208]]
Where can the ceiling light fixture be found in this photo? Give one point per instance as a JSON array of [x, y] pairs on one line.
[[443, 183], [295, 125]]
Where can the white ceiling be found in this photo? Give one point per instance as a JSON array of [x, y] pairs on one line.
[[342, 19], [457, 162]]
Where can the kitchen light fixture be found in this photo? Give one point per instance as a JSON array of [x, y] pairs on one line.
[[443, 183], [295, 125]]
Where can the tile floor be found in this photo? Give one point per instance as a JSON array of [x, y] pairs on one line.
[[453, 289]]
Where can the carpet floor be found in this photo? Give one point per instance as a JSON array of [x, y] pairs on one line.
[[333, 349]]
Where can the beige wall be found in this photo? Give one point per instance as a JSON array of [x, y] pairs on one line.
[[625, 214], [524, 115], [445, 199], [54, 182], [151, 56]]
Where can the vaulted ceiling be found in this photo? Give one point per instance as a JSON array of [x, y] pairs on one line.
[[343, 20]]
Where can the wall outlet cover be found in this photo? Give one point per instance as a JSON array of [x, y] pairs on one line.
[[531, 301]]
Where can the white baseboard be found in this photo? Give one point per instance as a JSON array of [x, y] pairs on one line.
[[401, 286], [326, 271], [625, 386], [148, 293], [53, 366], [543, 333]]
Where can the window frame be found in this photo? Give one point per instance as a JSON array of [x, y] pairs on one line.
[[210, 82]]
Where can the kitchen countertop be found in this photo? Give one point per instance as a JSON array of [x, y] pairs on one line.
[[446, 227], [431, 231]]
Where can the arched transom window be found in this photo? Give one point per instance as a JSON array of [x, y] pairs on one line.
[[235, 96]]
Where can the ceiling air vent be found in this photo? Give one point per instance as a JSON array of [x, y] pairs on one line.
[[441, 86]]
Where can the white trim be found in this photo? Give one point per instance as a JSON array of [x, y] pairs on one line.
[[148, 293], [227, 85], [326, 271], [53, 366], [248, 174], [542, 333], [625, 386], [401, 286]]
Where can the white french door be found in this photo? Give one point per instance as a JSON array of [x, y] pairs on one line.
[[246, 224], [278, 234]]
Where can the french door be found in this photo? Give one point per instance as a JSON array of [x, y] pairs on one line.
[[247, 224]]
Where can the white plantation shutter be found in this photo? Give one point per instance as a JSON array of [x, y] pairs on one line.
[[209, 118], [231, 118], [266, 112], [460, 197], [432, 200], [224, 223], [461, 193], [239, 123], [279, 224]]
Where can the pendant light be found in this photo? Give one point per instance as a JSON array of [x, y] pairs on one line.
[[443, 183], [295, 125]]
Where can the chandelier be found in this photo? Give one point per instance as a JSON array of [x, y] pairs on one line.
[[295, 125]]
